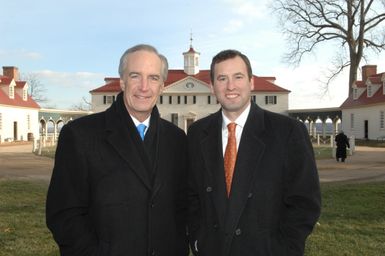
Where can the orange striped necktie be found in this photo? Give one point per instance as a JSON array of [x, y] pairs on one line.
[[230, 156]]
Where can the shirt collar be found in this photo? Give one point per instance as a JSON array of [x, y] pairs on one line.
[[241, 120], [145, 122]]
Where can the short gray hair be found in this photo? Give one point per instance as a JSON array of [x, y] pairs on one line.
[[143, 47]]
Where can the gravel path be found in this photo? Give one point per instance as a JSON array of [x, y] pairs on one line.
[[366, 164]]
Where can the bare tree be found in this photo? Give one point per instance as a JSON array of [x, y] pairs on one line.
[[35, 88], [83, 105], [353, 24]]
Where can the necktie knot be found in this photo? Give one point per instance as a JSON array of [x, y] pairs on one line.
[[231, 128], [141, 128]]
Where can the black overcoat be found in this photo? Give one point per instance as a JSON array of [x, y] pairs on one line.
[[342, 142], [275, 196], [103, 199]]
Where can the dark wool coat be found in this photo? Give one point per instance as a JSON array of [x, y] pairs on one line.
[[105, 197], [275, 196], [342, 142]]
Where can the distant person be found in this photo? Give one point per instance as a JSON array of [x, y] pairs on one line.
[[254, 186], [342, 142], [116, 189]]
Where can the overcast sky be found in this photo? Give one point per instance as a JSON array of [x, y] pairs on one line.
[[72, 45]]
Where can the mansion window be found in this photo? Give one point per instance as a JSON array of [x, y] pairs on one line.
[[181, 99], [270, 99], [174, 118], [382, 122], [351, 121], [209, 99], [28, 122], [254, 98], [108, 99]]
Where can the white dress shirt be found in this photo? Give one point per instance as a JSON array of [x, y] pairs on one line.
[[145, 122], [240, 121]]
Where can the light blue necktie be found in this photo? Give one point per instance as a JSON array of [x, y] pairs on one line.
[[141, 128]]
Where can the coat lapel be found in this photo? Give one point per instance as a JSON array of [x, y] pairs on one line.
[[211, 146], [251, 149], [160, 156], [118, 135]]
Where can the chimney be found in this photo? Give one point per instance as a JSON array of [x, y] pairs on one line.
[[368, 71], [11, 72]]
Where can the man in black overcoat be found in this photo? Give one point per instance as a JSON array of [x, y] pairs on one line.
[[342, 142], [268, 202], [112, 192]]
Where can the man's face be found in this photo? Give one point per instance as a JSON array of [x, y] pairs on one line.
[[232, 86], [142, 83]]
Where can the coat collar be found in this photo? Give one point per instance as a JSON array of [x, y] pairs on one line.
[[122, 135]]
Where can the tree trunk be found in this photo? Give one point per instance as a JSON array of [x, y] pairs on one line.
[[353, 72]]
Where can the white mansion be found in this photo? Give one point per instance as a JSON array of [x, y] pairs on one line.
[[187, 96], [18, 111], [363, 112]]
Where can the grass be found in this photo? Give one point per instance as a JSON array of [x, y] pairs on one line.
[[22, 219], [370, 143], [352, 220], [47, 151], [322, 152]]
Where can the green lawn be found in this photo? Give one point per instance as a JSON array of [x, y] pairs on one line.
[[322, 152], [22, 219], [352, 220]]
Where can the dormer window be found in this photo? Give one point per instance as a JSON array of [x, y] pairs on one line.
[[11, 92], [355, 93], [383, 88], [25, 94], [369, 91]]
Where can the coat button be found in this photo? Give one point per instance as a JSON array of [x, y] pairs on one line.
[[215, 226], [209, 189], [153, 253], [238, 232], [250, 195]]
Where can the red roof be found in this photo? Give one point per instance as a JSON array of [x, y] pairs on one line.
[[4, 80], [261, 84], [17, 101], [360, 84], [20, 84], [191, 50], [112, 86], [364, 100]]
